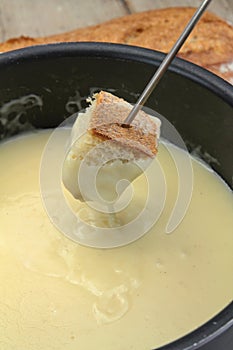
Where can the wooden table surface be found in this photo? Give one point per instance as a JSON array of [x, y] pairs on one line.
[[45, 17]]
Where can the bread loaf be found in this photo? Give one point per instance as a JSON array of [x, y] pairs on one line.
[[210, 45]]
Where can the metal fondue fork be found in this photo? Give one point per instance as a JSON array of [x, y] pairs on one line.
[[165, 63]]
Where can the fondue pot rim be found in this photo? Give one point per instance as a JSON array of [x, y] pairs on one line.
[[100, 50], [223, 320]]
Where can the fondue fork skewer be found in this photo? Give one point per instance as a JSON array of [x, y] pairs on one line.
[[165, 64]]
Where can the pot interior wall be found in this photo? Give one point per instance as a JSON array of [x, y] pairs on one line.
[[46, 91]]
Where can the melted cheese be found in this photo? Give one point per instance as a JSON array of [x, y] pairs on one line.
[[55, 294]]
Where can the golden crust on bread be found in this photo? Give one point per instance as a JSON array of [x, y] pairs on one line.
[[209, 45], [106, 123]]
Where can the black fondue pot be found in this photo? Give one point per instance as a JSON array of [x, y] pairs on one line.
[[40, 86]]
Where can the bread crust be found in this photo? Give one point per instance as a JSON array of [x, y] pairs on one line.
[[106, 123], [209, 45]]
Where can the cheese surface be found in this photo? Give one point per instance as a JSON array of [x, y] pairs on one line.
[[56, 294]]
